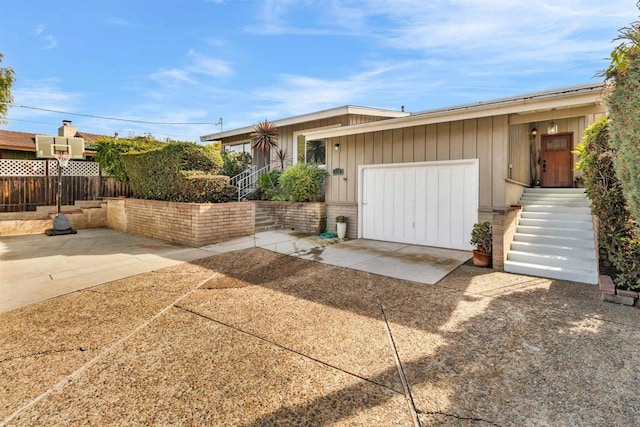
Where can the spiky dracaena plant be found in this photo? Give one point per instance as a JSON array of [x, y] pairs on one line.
[[265, 137], [282, 157], [624, 109]]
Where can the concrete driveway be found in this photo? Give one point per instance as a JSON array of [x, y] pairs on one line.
[[37, 267], [253, 337]]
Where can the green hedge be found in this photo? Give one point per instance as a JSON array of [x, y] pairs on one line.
[[178, 171], [617, 235], [109, 150]]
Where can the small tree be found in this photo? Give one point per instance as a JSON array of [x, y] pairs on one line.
[[265, 137], [7, 77]]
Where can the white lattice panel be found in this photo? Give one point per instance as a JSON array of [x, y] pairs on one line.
[[75, 168], [22, 167]]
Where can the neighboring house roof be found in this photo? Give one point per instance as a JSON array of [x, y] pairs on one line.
[[88, 137], [318, 115], [18, 141], [24, 141]]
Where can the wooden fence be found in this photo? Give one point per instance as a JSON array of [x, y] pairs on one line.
[[26, 184]]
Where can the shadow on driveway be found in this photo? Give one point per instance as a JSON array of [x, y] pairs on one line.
[[257, 338]]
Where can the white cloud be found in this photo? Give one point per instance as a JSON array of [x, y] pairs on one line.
[[49, 41], [208, 66], [172, 76], [43, 93]]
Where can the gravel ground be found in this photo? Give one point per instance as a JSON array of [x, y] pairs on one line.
[[253, 338]]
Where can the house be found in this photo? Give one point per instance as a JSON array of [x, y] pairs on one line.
[[427, 177], [22, 145]]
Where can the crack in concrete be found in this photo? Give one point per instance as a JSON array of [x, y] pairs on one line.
[[459, 417], [47, 352], [275, 344]]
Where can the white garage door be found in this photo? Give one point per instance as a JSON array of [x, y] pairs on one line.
[[426, 203]]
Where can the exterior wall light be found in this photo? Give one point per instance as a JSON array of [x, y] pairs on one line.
[[336, 147], [533, 133]]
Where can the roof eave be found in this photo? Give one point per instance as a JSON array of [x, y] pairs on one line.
[[318, 115], [547, 100]]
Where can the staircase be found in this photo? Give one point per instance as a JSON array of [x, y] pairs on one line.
[[246, 180], [555, 237], [264, 220]]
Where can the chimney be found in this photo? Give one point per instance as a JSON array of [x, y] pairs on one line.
[[67, 130]]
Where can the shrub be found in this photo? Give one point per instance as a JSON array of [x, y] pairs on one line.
[[205, 188], [624, 109], [109, 151], [178, 171], [482, 237], [267, 185], [234, 163], [303, 182], [617, 234]]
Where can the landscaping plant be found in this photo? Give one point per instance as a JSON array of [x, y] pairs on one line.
[[617, 235], [623, 76], [303, 182], [109, 151], [178, 172]]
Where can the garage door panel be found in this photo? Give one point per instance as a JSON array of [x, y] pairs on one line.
[[421, 216], [427, 203]]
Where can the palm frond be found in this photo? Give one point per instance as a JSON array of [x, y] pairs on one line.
[[264, 136]]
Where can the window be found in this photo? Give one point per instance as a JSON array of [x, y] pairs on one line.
[[313, 151], [238, 147]]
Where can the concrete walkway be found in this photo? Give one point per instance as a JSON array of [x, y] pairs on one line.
[[37, 267]]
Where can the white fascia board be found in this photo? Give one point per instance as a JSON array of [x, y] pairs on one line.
[[543, 101], [318, 115]]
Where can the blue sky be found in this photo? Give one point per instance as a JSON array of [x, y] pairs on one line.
[[195, 61]]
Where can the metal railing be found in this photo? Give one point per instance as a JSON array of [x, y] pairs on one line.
[[246, 180]]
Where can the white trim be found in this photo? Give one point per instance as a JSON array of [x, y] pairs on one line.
[[544, 101], [296, 134], [318, 115]]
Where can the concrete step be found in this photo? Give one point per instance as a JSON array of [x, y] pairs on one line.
[[570, 261], [556, 194], [552, 240], [553, 209], [261, 228], [583, 224], [554, 191], [552, 272], [549, 249], [584, 232], [555, 202], [526, 214]]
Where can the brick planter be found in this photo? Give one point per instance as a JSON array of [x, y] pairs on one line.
[[612, 294], [190, 224]]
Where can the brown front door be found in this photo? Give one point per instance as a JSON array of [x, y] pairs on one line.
[[556, 160]]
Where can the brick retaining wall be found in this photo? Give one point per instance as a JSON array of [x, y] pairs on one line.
[[307, 217], [190, 224]]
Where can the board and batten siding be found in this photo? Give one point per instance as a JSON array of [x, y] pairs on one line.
[[286, 139], [483, 138]]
